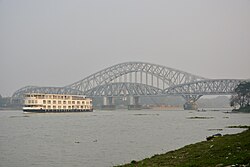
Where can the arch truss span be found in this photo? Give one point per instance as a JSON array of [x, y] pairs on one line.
[[50, 90], [204, 87], [123, 89], [136, 72]]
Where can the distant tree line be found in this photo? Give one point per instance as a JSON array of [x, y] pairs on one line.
[[242, 97], [5, 102]]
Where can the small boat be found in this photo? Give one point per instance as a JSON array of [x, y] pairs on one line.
[[213, 136]]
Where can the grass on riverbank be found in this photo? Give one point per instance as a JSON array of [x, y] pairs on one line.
[[245, 109], [222, 151]]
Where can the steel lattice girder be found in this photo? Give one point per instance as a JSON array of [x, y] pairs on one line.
[[169, 76], [50, 90], [123, 89], [205, 87], [103, 83]]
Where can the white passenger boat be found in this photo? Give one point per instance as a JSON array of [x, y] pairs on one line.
[[38, 102]]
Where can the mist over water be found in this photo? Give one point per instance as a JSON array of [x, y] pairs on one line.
[[103, 138]]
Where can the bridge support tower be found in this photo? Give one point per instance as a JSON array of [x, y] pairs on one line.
[[134, 103], [108, 103], [191, 102]]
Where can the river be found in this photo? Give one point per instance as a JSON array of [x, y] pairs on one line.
[[104, 138]]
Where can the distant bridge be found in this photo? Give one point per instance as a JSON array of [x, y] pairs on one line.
[[137, 79], [52, 90], [136, 72]]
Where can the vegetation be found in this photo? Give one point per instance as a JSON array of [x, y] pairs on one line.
[[6, 103], [227, 150], [242, 97]]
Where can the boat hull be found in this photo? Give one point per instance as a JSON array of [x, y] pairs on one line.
[[55, 111]]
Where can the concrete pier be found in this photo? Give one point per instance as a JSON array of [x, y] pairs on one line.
[[108, 103], [190, 106], [134, 103]]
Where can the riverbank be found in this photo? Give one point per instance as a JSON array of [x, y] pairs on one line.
[[245, 109], [227, 150]]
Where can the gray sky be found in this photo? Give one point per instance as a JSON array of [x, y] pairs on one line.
[[58, 42]]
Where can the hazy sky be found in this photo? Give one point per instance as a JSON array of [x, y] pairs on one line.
[[58, 42]]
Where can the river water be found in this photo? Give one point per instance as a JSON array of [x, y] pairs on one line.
[[103, 138]]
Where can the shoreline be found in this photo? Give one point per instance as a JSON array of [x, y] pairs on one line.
[[227, 150]]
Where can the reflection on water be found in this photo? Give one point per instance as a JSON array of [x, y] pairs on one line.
[[104, 138]]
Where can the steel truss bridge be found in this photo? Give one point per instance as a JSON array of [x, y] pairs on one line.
[[141, 79]]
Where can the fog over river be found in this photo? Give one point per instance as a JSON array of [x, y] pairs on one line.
[[104, 138]]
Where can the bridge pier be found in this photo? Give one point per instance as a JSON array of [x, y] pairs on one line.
[[134, 103], [190, 106], [108, 103], [191, 102]]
